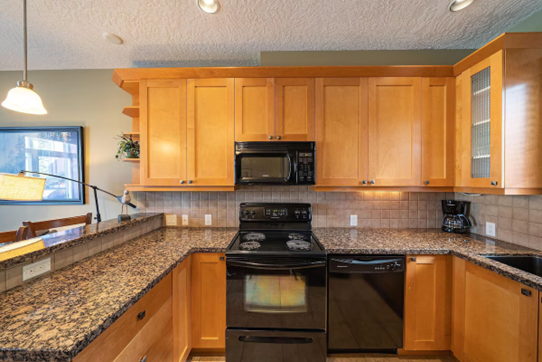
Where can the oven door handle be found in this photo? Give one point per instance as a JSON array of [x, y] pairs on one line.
[[265, 266]]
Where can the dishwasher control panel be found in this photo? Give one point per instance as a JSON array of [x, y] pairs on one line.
[[367, 264]]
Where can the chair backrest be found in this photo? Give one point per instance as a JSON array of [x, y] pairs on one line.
[[16, 235], [49, 224]]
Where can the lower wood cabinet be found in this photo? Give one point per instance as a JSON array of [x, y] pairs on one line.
[[182, 311], [428, 296], [495, 319], [209, 301]]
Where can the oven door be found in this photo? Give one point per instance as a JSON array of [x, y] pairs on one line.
[[275, 346], [257, 167], [276, 293]]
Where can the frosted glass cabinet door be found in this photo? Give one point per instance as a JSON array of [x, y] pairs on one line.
[[482, 124]]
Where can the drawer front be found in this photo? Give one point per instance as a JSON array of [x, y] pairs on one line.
[[115, 338]]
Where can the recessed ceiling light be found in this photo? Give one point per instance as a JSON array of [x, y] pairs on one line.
[[209, 6], [112, 38], [460, 5]]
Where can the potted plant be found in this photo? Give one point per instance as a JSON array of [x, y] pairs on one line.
[[127, 148]]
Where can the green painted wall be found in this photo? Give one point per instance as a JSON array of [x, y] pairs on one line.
[[531, 24]]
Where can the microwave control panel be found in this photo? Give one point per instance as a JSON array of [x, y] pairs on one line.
[[305, 167]]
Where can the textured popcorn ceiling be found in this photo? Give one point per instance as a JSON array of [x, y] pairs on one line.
[[67, 34]]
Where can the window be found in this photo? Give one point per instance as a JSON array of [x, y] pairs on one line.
[[53, 150]]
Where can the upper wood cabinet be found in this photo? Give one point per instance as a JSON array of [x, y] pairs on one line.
[[182, 310], [210, 135], [274, 109], [294, 109], [495, 318], [438, 131], [208, 301], [395, 130], [341, 131], [254, 109], [163, 131], [428, 303]]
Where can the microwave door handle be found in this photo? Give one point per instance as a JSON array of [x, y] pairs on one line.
[[290, 164]]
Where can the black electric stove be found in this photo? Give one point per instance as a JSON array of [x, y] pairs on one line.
[[276, 290]]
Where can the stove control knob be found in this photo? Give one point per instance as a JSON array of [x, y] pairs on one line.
[[246, 212], [296, 212], [253, 212]]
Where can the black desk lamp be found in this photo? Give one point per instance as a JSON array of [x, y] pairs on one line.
[[95, 188]]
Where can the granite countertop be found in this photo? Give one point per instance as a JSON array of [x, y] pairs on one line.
[[67, 238], [57, 316]]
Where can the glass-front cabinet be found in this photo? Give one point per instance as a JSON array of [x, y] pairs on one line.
[[480, 116]]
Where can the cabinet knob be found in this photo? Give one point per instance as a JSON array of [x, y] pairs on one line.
[[270, 137], [373, 182], [413, 258], [279, 137], [190, 181], [141, 315], [364, 182], [427, 182], [222, 258], [181, 182], [144, 359], [494, 183]]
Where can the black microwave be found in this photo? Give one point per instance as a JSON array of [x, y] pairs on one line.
[[275, 163]]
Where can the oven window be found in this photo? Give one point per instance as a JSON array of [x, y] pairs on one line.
[[276, 293], [265, 167]]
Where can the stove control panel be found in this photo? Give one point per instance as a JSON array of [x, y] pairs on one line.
[[271, 212]]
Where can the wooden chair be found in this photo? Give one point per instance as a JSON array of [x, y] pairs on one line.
[[16, 235], [34, 227]]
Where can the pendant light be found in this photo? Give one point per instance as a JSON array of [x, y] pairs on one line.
[[23, 98]]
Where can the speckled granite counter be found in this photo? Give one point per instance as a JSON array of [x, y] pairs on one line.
[[64, 239], [57, 316]]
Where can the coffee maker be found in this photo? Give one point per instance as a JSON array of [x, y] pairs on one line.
[[455, 219]]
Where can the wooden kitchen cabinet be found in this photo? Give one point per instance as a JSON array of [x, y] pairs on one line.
[[163, 131], [254, 109], [341, 131], [294, 109], [209, 301], [428, 303], [182, 310], [438, 132], [395, 130], [210, 134], [494, 318]]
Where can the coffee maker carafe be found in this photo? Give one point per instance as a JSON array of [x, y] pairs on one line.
[[455, 219]]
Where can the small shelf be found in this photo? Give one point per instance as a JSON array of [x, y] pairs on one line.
[[131, 160], [131, 87], [131, 111]]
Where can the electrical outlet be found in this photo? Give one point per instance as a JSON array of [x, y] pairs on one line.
[[208, 219], [38, 268], [490, 229], [353, 220], [171, 220], [185, 220]]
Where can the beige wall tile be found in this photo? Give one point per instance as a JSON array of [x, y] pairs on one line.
[[14, 276], [2, 281], [80, 252], [63, 258]]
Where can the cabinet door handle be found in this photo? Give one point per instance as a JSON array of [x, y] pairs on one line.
[[526, 292], [373, 182], [222, 258], [364, 182], [270, 137], [279, 138], [190, 181], [413, 258], [427, 182], [494, 183], [141, 315], [181, 182], [144, 359]]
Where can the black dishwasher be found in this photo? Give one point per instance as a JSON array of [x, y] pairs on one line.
[[366, 303]]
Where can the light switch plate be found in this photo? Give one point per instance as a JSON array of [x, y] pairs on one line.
[[185, 220], [353, 220], [171, 220], [38, 268], [490, 229], [208, 219]]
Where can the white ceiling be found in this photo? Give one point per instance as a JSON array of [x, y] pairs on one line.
[[67, 34]]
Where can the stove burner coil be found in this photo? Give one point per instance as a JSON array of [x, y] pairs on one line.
[[249, 245], [298, 245], [254, 237]]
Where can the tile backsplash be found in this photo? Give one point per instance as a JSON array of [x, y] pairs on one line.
[[518, 219], [330, 209]]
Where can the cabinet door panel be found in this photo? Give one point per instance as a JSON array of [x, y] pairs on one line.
[[163, 131], [438, 108], [182, 311], [254, 109], [341, 131], [428, 303], [395, 131], [210, 140], [208, 301], [483, 103], [294, 104]]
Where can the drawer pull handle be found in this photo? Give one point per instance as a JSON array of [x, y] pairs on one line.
[[413, 258], [222, 258], [526, 292], [144, 359], [141, 315]]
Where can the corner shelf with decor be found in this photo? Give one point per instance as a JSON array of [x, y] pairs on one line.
[[132, 88]]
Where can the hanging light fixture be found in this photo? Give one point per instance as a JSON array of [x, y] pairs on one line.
[[23, 98]]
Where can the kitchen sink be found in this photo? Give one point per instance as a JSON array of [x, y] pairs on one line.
[[530, 264]]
